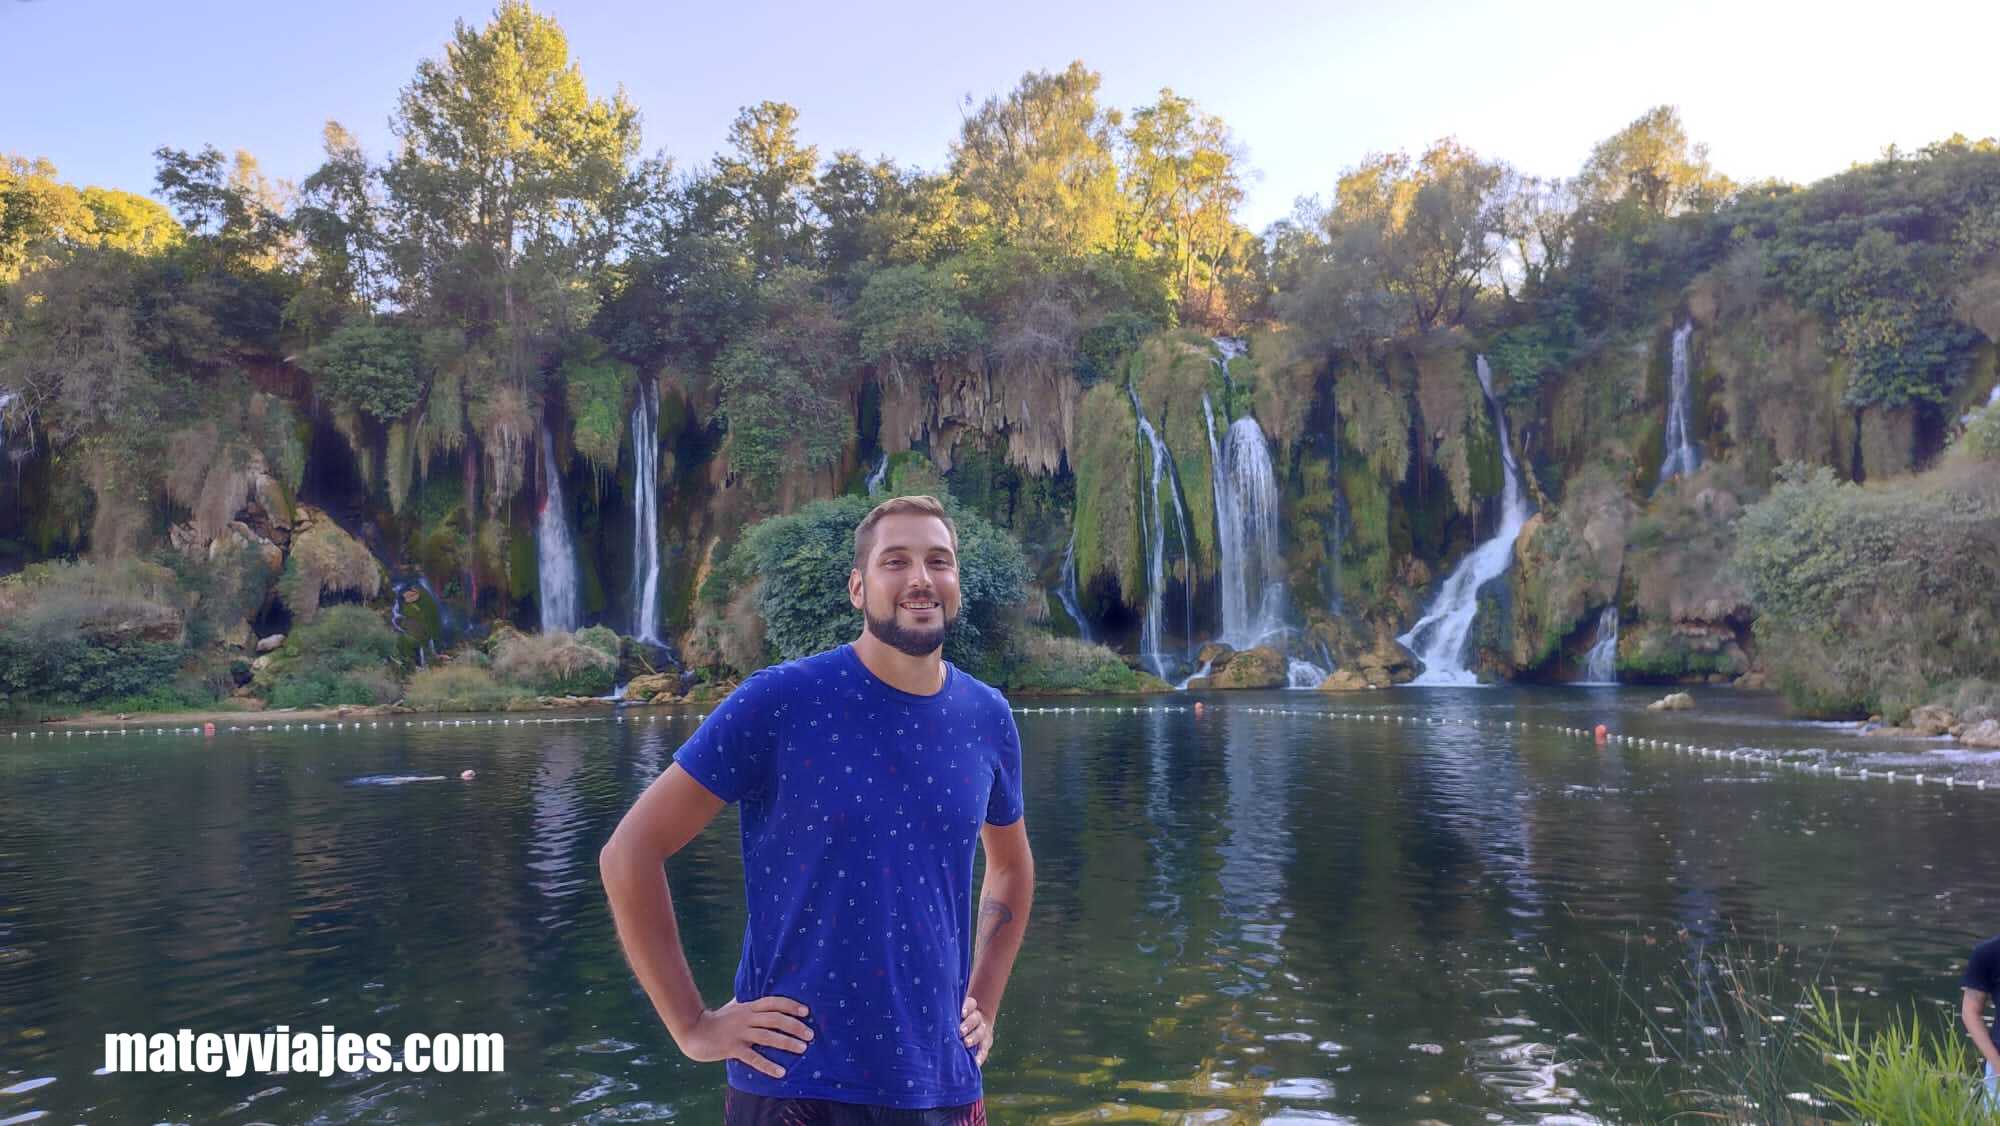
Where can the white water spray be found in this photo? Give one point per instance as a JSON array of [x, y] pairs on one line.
[[1681, 456], [1438, 638], [554, 551], [1066, 589], [875, 478], [1252, 574], [1600, 665], [646, 514], [1152, 630]]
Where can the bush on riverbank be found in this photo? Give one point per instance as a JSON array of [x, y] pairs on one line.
[[458, 687], [1066, 666], [584, 663], [344, 656], [1872, 598], [83, 633]]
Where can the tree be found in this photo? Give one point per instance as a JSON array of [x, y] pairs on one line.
[[1652, 166], [340, 218], [41, 218], [766, 181], [511, 184], [230, 209], [1427, 232], [1038, 165], [1181, 190]]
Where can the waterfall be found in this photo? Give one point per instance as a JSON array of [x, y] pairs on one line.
[[554, 551], [6, 400], [646, 515], [1303, 674], [1066, 589], [1600, 665], [1438, 638], [1681, 456], [1246, 532], [875, 478], [1152, 630]]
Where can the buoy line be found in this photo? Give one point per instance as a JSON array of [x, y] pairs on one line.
[[1748, 755]]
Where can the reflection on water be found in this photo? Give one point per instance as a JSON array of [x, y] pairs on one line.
[[1260, 914]]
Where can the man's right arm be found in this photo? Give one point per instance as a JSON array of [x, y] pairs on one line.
[[1972, 1012], [665, 818]]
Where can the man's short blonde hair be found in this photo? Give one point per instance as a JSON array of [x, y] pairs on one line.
[[864, 532]]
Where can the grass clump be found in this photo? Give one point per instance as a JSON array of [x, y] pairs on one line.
[[1051, 666], [584, 663], [344, 657], [458, 687]]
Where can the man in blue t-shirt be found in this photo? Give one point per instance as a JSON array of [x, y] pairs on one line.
[[867, 990]]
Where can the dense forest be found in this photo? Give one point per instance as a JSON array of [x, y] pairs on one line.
[[518, 411]]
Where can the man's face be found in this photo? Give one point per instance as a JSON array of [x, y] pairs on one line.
[[908, 591]]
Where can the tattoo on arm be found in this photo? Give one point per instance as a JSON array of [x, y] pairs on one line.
[[993, 915]]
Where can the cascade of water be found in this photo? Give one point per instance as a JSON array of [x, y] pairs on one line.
[[1438, 638], [875, 478], [1303, 674], [1066, 589], [646, 514], [1681, 456], [554, 551], [1152, 629], [1246, 532], [6, 400], [1600, 665]]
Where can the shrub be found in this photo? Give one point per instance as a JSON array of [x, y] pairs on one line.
[[1869, 597], [371, 367], [457, 687], [344, 657], [79, 633], [1050, 665], [557, 664]]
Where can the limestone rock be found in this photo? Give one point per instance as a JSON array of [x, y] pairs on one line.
[[1985, 733], [268, 644], [1672, 702], [1345, 680], [1752, 681], [653, 686], [1931, 720], [1388, 663], [1262, 667], [1215, 655]]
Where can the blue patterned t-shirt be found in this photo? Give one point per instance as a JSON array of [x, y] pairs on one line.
[[861, 805]]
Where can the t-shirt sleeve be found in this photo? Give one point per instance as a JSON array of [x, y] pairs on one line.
[[732, 751], [1003, 805], [1980, 968]]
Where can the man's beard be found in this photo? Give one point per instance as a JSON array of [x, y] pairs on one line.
[[917, 641]]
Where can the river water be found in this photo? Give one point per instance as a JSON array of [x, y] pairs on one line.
[[1427, 904]]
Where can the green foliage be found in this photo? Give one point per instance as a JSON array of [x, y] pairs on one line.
[[1870, 597], [369, 366], [1982, 434], [1063, 666], [559, 664], [1880, 251], [596, 388], [1909, 1072], [460, 686], [344, 657], [908, 316], [1107, 461], [1037, 165]]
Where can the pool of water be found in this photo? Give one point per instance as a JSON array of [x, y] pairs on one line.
[[1289, 907]]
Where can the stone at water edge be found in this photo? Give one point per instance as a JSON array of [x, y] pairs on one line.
[[1672, 702], [1261, 667], [267, 644], [653, 685], [1929, 719], [1215, 655], [1345, 680], [1985, 734]]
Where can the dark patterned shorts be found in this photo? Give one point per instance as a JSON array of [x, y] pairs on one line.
[[742, 1109]]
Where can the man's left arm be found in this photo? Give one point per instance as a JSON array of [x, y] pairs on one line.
[[1004, 900]]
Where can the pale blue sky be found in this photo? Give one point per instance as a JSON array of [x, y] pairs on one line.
[[1791, 90]]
